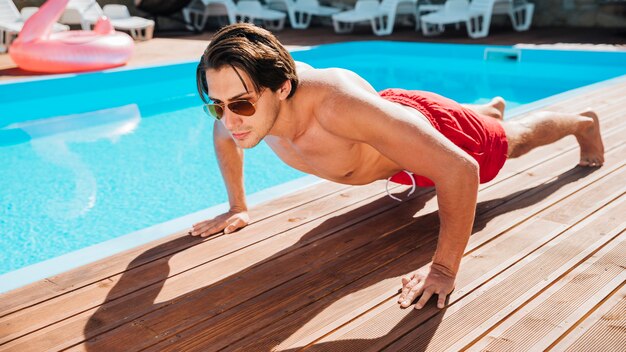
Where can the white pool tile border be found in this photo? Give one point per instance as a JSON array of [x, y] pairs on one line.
[[65, 262]]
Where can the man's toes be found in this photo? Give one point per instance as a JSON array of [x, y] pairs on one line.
[[589, 113], [499, 104], [497, 101], [595, 162], [590, 162]]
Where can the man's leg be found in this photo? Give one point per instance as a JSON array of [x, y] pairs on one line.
[[547, 127]]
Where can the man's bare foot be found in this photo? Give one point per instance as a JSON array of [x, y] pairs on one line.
[[590, 140], [493, 109], [499, 104]]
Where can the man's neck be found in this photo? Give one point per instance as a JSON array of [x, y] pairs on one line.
[[289, 124]]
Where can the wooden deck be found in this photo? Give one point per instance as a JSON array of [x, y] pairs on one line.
[[320, 270]]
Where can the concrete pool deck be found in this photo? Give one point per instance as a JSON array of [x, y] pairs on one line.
[[320, 269]]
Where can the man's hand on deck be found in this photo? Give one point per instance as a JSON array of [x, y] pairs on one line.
[[229, 222], [427, 281]]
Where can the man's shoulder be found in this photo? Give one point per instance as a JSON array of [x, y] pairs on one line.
[[332, 77], [333, 92], [340, 98], [321, 86]]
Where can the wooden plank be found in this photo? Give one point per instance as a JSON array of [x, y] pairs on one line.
[[54, 286], [604, 327], [497, 298], [481, 309], [535, 326], [212, 323], [477, 268], [222, 257]]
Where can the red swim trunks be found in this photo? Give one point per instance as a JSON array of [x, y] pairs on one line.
[[480, 136]]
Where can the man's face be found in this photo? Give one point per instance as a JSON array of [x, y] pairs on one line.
[[225, 86]]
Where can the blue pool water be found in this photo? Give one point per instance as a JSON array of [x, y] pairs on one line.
[[86, 158]]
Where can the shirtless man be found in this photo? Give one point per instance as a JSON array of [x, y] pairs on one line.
[[331, 123]]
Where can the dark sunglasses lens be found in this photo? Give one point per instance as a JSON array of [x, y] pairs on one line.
[[214, 110], [244, 108]]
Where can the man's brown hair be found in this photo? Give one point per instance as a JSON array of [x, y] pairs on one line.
[[253, 50]]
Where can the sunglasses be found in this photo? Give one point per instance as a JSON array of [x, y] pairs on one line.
[[240, 107]]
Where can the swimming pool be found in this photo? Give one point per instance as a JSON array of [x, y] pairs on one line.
[[92, 157]]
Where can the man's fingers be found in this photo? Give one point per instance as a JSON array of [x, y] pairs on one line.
[[404, 291], [212, 228], [441, 302], [197, 228], [407, 278], [201, 230], [407, 287], [195, 231], [415, 291], [203, 225], [227, 222], [425, 297], [233, 226]]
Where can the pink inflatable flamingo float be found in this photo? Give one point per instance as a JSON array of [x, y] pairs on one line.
[[38, 49]]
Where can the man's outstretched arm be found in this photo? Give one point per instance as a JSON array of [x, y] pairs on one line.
[[230, 160], [361, 115]]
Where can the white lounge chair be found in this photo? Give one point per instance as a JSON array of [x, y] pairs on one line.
[[198, 12], [381, 16], [423, 8], [453, 12], [87, 12], [476, 16], [519, 11], [11, 22], [302, 11], [140, 28], [252, 11]]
